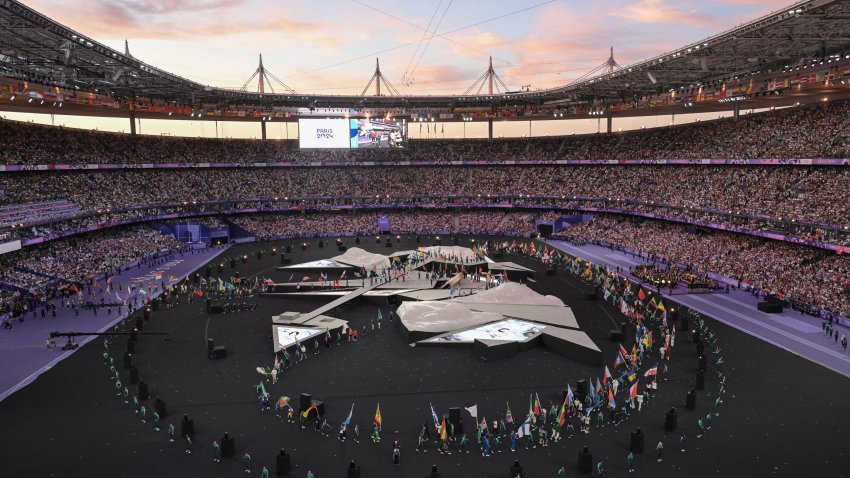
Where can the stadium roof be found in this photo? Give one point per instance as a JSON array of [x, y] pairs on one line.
[[35, 48]]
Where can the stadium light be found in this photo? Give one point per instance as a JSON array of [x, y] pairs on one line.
[[13, 96]]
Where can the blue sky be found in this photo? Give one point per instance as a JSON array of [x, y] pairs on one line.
[[330, 46]]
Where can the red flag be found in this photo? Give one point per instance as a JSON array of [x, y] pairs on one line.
[[634, 389], [641, 295], [606, 375]]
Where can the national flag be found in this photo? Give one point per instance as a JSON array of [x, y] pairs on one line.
[[623, 351], [598, 386], [652, 372], [380, 317], [473, 410], [525, 428], [536, 404], [654, 305], [342, 276], [641, 295], [73, 288], [649, 339], [483, 424], [434, 417], [172, 278], [268, 282], [305, 279], [620, 360], [198, 293], [443, 434], [661, 307], [508, 417], [569, 394], [606, 375], [312, 406], [633, 391], [378, 420], [350, 414], [611, 402]]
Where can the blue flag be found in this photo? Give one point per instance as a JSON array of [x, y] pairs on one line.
[[350, 413]]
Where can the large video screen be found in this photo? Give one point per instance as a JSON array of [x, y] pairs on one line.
[[366, 133], [323, 133], [351, 133]]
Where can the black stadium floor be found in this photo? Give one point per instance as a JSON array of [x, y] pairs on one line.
[[782, 416]]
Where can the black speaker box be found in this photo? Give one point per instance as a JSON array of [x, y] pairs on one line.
[[228, 447], [670, 420], [187, 427], [636, 442], [581, 388], [306, 399], [283, 464], [769, 308], [143, 391], [455, 419], [585, 461], [700, 385], [219, 352], [691, 401], [618, 336]]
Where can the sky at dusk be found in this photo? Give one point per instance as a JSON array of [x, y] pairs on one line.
[[330, 46]]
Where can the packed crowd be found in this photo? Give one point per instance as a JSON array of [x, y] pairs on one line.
[[813, 131], [79, 258], [421, 222], [804, 194], [801, 273]]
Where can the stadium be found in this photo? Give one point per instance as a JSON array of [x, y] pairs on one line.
[[506, 255]]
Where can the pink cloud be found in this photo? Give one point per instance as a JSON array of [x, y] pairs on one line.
[[658, 11]]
